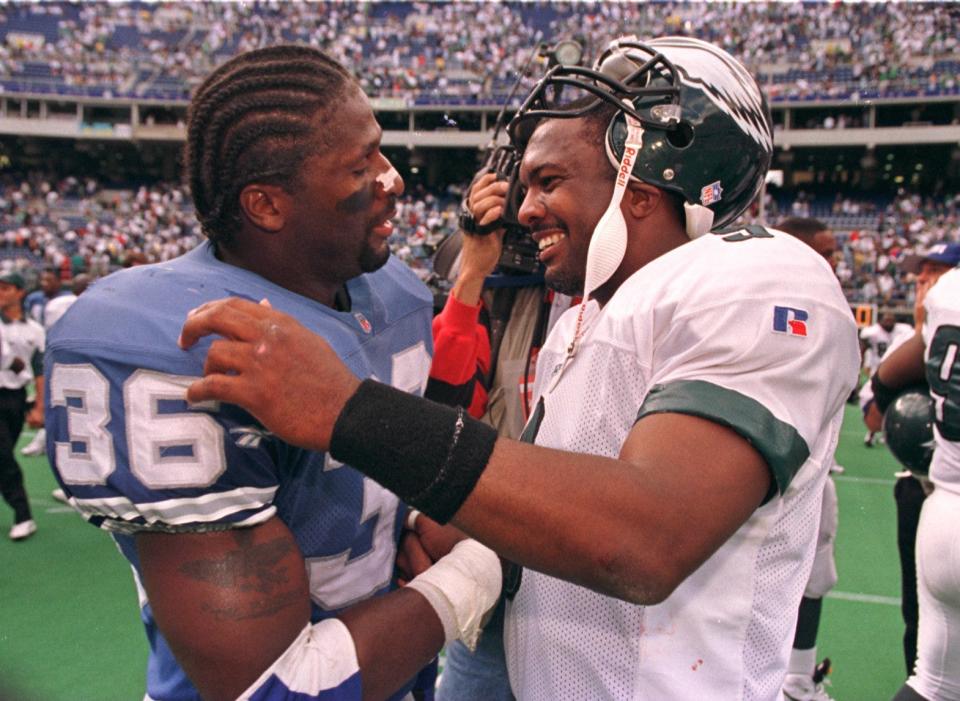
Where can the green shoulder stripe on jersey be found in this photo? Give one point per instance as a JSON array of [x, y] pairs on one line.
[[779, 443]]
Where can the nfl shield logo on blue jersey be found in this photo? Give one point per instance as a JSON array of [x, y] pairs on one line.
[[790, 321], [364, 324], [711, 193]]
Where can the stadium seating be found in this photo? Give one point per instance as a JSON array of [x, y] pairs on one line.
[[467, 53], [449, 54]]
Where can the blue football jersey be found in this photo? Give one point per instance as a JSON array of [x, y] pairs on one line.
[[134, 456]]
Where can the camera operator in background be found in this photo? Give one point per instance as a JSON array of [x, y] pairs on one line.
[[805, 676], [486, 340]]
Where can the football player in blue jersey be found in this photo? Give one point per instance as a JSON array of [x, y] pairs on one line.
[[264, 571]]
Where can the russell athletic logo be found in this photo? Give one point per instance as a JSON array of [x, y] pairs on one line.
[[790, 321]]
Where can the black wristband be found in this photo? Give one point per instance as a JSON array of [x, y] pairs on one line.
[[429, 455], [883, 395]]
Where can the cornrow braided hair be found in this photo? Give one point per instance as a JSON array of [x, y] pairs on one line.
[[255, 119]]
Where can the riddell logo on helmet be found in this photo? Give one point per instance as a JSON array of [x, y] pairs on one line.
[[626, 165]]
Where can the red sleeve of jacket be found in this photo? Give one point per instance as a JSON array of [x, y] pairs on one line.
[[461, 357]]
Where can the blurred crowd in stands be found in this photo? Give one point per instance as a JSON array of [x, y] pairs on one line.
[[78, 226], [470, 52], [450, 53], [874, 236]]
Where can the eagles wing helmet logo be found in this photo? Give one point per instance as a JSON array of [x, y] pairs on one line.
[[728, 84]]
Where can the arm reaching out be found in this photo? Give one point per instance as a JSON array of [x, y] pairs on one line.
[[235, 607], [261, 350], [513, 506]]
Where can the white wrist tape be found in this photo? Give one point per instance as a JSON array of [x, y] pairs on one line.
[[462, 586], [411, 522], [323, 658]]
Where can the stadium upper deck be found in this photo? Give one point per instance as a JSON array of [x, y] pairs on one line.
[[468, 53]]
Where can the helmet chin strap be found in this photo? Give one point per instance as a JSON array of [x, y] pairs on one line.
[[609, 241]]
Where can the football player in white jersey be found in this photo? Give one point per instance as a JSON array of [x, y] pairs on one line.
[[804, 675], [876, 338], [909, 491], [874, 342], [665, 497], [933, 355]]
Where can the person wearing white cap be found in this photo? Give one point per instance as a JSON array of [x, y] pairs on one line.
[[37, 305], [21, 362]]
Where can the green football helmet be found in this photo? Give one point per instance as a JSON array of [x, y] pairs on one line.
[[908, 429], [707, 131]]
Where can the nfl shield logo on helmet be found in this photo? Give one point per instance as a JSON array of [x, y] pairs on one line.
[[711, 193], [364, 324], [790, 321]]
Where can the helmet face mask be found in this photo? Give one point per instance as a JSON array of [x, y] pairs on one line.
[[614, 79], [707, 131]]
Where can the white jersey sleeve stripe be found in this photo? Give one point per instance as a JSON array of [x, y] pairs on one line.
[[320, 665], [780, 444]]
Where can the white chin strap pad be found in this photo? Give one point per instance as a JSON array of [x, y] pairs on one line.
[[699, 219], [609, 241], [607, 247]]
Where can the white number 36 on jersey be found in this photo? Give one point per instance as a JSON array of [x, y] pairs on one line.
[[167, 449]]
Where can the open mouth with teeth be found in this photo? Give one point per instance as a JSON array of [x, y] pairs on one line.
[[385, 228], [547, 241]]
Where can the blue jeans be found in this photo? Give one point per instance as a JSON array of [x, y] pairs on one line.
[[481, 675]]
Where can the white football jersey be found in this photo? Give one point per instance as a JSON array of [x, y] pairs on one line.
[[879, 341], [941, 336], [749, 329]]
